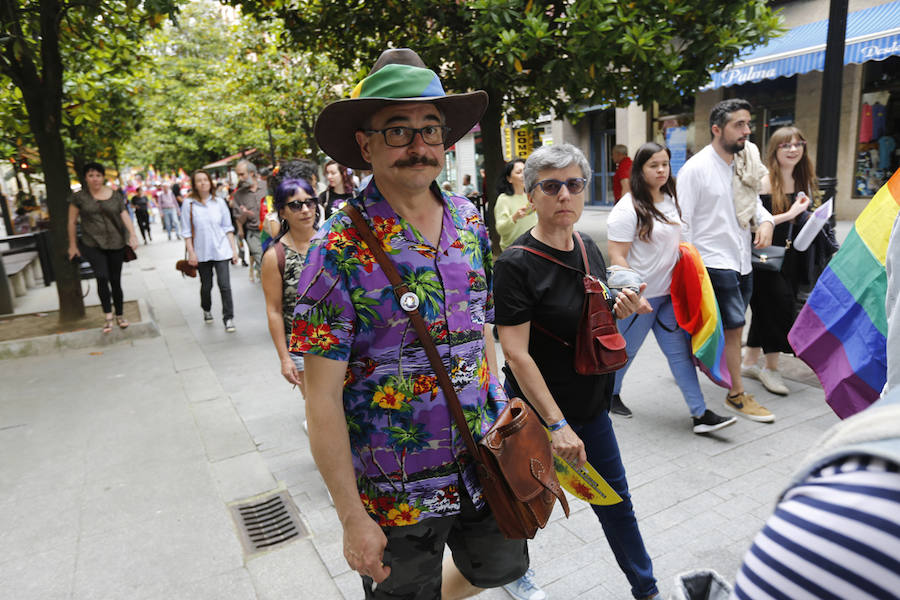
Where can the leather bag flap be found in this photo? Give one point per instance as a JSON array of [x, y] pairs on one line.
[[522, 451], [611, 341]]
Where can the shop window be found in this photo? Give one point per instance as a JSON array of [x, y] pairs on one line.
[[877, 149], [676, 132]]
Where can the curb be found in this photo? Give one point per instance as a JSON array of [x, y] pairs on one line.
[[86, 338]]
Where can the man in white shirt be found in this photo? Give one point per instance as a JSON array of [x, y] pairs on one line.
[[706, 195]]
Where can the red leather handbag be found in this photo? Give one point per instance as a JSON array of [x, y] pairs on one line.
[[599, 347]]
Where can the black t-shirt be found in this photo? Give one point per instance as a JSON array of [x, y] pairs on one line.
[[530, 288], [139, 202], [330, 201]]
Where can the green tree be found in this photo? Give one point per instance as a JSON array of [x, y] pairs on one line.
[[35, 36], [217, 82], [533, 57]]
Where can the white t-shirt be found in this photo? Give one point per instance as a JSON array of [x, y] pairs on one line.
[[653, 260]]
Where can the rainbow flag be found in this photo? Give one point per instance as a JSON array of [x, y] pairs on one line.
[[697, 312], [841, 332]]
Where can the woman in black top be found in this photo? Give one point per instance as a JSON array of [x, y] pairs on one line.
[[142, 213], [340, 187], [530, 290], [786, 192]]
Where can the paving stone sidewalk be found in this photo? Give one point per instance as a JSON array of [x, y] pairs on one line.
[[118, 467]]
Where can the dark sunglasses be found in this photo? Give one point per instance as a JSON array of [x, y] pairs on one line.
[[297, 205], [551, 187]]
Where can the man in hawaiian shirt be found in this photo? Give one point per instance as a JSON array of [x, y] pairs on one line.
[[379, 426]]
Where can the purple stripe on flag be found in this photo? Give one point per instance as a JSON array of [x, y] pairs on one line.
[[845, 391], [864, 346]]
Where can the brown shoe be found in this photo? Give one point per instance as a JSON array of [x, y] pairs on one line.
[[744, 405]]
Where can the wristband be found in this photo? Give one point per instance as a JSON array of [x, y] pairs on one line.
[[558, 425]]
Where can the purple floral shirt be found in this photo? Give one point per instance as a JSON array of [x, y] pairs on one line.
[[407, 453]]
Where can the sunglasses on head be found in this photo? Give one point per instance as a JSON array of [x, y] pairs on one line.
[[297, 205], [551, 187]]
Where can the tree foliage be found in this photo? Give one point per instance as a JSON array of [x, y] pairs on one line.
[[215, 83], [534, 57], [55, 52]]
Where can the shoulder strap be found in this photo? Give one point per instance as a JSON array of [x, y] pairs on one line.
[[191, 208], [542, 254], [279, 254], [400, 289]]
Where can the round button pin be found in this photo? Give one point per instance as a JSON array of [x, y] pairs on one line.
[[409, 301]]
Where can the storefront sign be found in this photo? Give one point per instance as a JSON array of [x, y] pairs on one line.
[[524, 143]]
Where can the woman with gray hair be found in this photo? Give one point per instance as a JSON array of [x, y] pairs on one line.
[[537, 310]]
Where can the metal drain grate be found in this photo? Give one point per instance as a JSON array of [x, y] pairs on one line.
[[268, 521]]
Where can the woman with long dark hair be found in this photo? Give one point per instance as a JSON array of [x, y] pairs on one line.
[[106, 228], [513, 214], [209, 239], [340, 187], [644, 231], [786, 193], [295, 204]]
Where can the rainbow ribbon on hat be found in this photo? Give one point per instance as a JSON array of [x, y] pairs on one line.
[[841, 332]]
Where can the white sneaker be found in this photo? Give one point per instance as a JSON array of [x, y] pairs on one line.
[[524, 588], [751, 371], [773, 382]]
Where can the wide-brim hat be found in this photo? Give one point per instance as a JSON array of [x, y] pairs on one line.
[[399, 75]]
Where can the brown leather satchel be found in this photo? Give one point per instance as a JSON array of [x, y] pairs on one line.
[[599, 347], [513, 460]]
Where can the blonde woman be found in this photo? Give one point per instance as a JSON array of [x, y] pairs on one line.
[[786, 192]]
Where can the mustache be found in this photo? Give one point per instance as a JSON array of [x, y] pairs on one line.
[[416, 160]]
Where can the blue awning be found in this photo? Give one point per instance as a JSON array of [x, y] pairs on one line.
[[872, 34]]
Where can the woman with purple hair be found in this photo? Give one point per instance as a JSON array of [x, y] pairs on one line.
[[297, 209]]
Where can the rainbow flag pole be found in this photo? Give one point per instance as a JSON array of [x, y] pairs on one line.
[[841, 332]]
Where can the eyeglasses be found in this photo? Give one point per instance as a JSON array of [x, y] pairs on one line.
[[791, 145], [551, 187], [297, 205], [398, 137]]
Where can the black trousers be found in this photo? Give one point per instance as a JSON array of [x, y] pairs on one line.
[[143, 219], [107, 266], [223, 278]]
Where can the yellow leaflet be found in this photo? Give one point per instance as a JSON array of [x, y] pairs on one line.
[[584, 483]]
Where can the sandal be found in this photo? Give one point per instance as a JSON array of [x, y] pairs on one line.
[[121, 321], [107, 326]]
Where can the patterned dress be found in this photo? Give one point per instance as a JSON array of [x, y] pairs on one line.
[[408, 457]]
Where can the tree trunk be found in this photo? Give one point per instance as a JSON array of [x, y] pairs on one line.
[[492, 146], [56, 178], [42, 95]]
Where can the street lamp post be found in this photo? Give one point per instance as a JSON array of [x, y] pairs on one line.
[[830, 106]]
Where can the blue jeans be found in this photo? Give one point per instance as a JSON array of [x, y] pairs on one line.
[[674, 342], [617, 520], [170, 222]]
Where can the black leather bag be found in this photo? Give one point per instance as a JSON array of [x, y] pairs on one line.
[[770, 258]]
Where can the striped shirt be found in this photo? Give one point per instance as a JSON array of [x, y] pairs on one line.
[[836, 535]]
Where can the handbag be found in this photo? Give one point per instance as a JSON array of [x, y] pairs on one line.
[[184, 265], [771, 258], [513, 460], [129, 253], [599, 347]]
